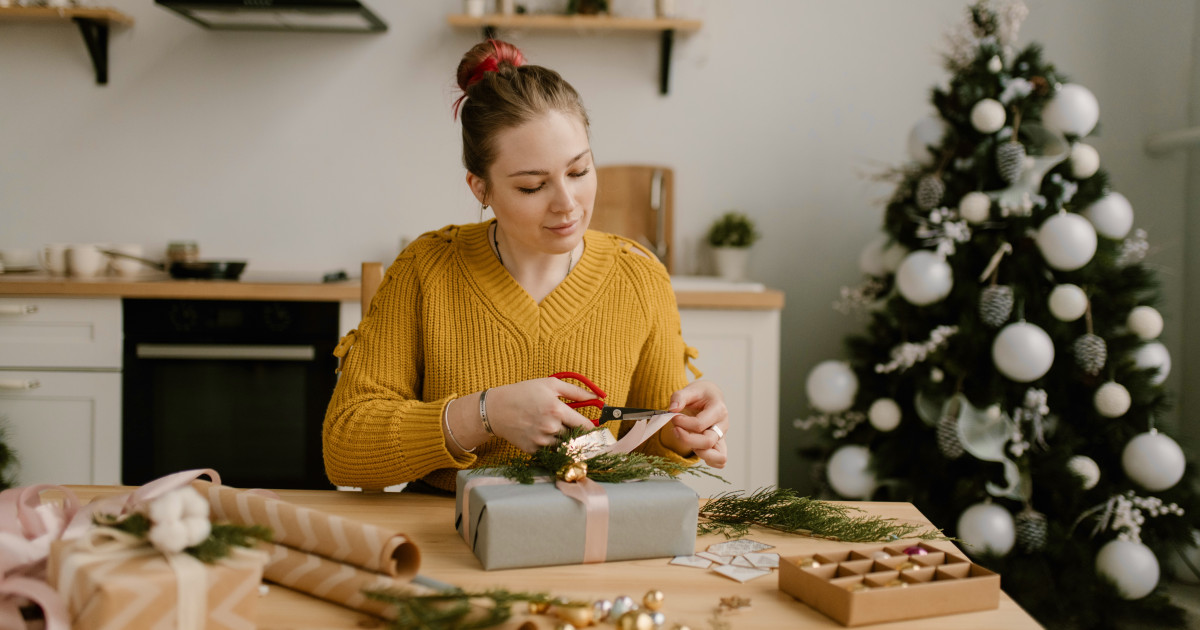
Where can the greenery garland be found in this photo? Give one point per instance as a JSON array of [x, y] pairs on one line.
[[220, 542], [454, 610]]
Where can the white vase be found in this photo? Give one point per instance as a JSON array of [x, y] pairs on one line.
[[732, 262]]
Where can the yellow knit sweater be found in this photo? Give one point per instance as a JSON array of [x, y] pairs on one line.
[[449, 320]]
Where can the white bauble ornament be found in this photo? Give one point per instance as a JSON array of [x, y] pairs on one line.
[[849, 472], [1112, 215], [987, 527], [893, 255], [1068, 302], [995, 64], [928, 131], [1180, 569], [924, 278], [1145, 322], [1023, 352], [1086, 469], [975, 207], [831, 386], [1130, 565], [1112, 400], [884, 414], [1072, 110], [1153, 461], [870, 260], [1067, 241], [1085, 160], [1154, 355], [988, 116]]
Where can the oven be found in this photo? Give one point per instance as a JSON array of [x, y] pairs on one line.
[[237, 386]]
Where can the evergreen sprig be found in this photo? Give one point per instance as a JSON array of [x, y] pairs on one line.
[[454, 610], [220, 542], [733, 513]]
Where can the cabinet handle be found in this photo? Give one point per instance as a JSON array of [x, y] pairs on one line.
[[19, 384], [232, 352], [18, 309]]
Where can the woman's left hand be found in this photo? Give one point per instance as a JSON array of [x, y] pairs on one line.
[[701, 425]]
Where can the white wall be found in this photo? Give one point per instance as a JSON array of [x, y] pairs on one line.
[[317, 151]]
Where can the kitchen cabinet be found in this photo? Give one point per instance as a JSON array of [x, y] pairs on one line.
[[60, 388], [93, 22]]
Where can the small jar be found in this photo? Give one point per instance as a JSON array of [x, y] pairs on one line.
[[182, 251]]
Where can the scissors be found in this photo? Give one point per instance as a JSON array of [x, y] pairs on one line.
[[606, 412]]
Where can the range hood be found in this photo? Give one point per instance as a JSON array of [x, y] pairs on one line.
[[340, 16]]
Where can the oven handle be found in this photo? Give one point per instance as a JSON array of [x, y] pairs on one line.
[[239, 352]]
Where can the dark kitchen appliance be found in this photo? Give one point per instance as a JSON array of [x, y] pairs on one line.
[[237, 386], [190, 269]]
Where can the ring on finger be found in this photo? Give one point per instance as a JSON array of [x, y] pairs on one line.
[[716, 429]]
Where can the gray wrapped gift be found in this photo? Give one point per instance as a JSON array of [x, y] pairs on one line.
[[511, 525]]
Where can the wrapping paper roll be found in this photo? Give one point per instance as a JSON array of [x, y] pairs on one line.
[[333, 581], [342, 540]]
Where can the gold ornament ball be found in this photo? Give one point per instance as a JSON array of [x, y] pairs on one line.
[[580, 616], [538, 608], [635, 620], [574, 472], [653, 600]]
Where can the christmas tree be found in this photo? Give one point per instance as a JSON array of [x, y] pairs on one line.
[[1009, 379]]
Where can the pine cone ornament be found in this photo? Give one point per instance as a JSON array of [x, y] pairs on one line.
[[930, 191], [947, 437], [995, 305], [1010, 160], [1031, 527], [1090, 353]]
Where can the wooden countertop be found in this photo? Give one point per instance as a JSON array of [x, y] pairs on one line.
[[162, 286], [691, 594]]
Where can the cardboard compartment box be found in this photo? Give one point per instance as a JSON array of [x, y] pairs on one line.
[[867, 585]]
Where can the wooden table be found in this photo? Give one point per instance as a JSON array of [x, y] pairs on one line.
[[691, 594]]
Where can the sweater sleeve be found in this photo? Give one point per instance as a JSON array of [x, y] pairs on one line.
[[378, 432]]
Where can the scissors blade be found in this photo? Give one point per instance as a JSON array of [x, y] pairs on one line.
[[628, 413]]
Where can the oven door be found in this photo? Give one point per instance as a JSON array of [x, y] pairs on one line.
[[252, 412]]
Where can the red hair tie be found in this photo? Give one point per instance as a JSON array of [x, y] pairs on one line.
[[504, 52]]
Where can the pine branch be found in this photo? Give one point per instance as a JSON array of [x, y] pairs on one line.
[[781, 509], [221, 540], [454, 610]]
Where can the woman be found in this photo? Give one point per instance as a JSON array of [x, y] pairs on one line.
[[451, 362]]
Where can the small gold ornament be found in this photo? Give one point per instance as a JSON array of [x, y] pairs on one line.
[[857, 586], [563, 626], [635, 620], [658, 619], [580, 615], [896, 583], [733, 602], [653, 600], [908, 566], [573, 472], [600, 609], [538, 608], [808, 562]]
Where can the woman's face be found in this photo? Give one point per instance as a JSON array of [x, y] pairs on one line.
[[543, 184]]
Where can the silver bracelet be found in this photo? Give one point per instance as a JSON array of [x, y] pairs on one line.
[[487, 426], [450, 433]]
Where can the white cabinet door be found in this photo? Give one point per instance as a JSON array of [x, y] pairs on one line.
[[65, 427], [739, 351], [38, 332]]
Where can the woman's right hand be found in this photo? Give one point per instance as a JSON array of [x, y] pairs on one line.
[[530, 415]]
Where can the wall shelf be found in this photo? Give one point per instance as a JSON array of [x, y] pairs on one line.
[[666, 27], [93, 23]]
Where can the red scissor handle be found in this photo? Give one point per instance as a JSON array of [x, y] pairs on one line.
[[595, 402]]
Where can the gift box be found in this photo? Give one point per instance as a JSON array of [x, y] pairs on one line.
[[131, 585], [509, 525], [867, 585]]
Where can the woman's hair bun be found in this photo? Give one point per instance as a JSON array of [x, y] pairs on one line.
[[484, 57]]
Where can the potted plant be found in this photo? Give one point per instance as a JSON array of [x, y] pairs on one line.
[[731, 236]]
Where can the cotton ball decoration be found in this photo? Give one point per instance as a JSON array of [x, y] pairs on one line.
[[870, 260], [849, 472], [1130, 565], [1023, 352], [1068, 302], [1067, 241], [831, 386], [893, 255], [988, 116], [1177, 563], [1153, 461], [1086, 469], [1112, 215], [1085, 160], [884, 414], [924, 278], [975, 207], [1145, 322], [1072, 110], [928, 131], [1154, 355], [987, 527], [1112, 400]]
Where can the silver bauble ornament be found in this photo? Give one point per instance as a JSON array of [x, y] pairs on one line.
[[1154, 355], [1145, 322], [988, 116], [831, 386], [893, 255], [975, 207], [924, 278], [1153, 461], [928, 132], [870, 260], [987, 528], [849, 472], [1130, 565], [995, 64], [1023, 352], [884, 414], [1112, 400], [1086, 469], [1112, 215], [1072, 110], [1068, 302], [1085, 160], [1067, 241]]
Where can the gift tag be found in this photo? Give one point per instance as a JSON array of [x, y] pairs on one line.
[[763, 560], [738, 547], [590, 444], [691, 561], [741, 561], [719, 559], [741, 574]]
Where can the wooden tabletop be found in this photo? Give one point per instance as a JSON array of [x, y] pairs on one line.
[[691, 594]]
